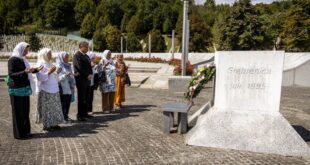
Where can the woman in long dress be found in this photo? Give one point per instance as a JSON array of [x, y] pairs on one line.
[[49, 105], [121, 70]]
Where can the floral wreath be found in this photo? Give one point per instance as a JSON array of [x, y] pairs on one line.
[[198, 81]]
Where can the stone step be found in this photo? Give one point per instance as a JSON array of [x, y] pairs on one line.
[[137, 79], [138, 70], [2, 78]]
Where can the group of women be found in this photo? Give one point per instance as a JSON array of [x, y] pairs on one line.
[[56, 86]]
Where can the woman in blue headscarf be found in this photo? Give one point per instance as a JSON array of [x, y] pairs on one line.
[[66, 82]]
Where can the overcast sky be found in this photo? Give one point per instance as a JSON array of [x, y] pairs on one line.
[[232, 1]]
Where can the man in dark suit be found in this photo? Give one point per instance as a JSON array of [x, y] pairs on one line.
[[83, 75]]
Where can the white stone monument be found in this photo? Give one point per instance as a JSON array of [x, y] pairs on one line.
[[245, 115]]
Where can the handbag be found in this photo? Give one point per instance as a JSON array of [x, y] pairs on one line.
[[128, 81], [102, 78], [7, 80]]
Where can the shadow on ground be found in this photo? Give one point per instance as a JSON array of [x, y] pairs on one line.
[[303, 132], [99, 121]]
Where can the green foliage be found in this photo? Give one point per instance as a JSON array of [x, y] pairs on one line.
[[133, 43], [82, 8], [100, 43], [167, 27], [58, 13], [1, 42], [242, 29], [34, 41], [103, 22], [111, 9], [200, 35], [239, 27], [157, 41], [296, 27], [134, 25], [113, 38], [88, 26]]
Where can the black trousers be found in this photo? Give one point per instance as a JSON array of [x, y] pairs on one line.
[[82, 90], [90, 98], [20, 116], [65, 105]]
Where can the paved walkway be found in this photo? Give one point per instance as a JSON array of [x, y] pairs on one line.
[[135, 136]]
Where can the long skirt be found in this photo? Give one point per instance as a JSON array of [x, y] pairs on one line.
[[20, 116], [108, 101], [120, 92], [49, 109]]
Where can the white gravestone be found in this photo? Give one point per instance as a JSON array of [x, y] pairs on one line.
[[246, 113]]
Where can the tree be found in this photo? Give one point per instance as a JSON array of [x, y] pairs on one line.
[[167, 26], [124, 23], [296, 27], [99, 40], [134, 25], [58, 13], [82, 8], [103, 22], [133, 43], [1, 42], [157, 41], [34, 41], [200, 34], [242, 29], [210, 12], [113, 38], [112, 10], [88, 26]]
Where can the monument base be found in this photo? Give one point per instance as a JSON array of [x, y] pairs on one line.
[[247, 130]]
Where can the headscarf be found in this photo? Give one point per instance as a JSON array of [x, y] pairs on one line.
[[42, 57], [66, 66], [104, 57], [91, 55], [60, 61], [18, 52]]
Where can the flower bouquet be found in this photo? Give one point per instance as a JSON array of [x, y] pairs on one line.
[[199, 79]]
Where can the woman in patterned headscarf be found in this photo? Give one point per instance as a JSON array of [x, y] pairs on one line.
[[49, 105], [107, 81], [121, 70], [20, 80]]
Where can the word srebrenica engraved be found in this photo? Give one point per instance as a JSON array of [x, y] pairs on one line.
[[251, 78], [249, 70]]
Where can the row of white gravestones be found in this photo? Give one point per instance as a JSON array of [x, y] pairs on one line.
[[56, 43], [245, 115]]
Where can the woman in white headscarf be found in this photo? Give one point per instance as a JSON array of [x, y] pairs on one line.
[[66, 82], [49, 105], [19, 82], [107, 81]]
